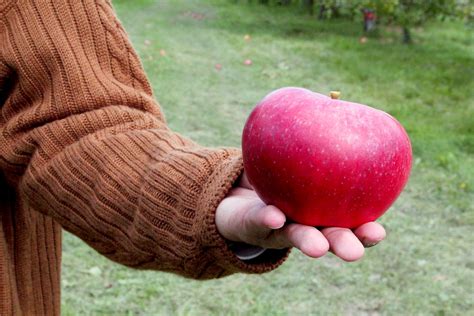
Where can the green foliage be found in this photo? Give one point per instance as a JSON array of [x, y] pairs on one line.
[[408, 13], [403, 13]]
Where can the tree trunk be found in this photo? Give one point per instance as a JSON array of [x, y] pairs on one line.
[[406, 36], [322, 12], [308, 6]]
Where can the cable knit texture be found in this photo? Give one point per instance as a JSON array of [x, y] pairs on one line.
[[85, 147]]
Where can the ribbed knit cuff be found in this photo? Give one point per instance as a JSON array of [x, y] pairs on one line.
[[218, 186]]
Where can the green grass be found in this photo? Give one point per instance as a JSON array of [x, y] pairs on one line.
[[426, 265]]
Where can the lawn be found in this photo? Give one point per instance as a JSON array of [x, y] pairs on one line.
[[426, 265]]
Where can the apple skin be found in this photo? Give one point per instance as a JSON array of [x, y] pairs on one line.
[[325, 162]]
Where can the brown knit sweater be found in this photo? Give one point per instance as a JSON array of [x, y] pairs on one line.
[[85, 147]]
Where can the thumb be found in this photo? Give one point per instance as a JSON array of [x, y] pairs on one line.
[[259, 222], [247, 220]]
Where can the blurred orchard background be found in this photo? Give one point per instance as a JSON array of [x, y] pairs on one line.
[[211, 61]]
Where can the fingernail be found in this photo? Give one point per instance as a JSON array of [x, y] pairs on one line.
[[277, 226], [368, 245]]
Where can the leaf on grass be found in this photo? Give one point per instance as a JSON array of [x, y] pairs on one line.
[[95, 271], [282, 65]]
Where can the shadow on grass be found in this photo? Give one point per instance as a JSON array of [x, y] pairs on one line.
[[279, 22]]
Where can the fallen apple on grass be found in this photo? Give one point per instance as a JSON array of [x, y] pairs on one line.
[[323, 161]]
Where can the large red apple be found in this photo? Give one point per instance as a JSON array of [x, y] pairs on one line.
[[323, 161]]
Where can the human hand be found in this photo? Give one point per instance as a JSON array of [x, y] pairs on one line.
[[243, 217]]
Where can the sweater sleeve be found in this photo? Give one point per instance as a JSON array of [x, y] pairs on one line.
[[83, 141]]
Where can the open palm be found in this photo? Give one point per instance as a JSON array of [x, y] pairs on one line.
[[243, 217]]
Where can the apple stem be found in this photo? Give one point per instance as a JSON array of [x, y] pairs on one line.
[[335, 94]]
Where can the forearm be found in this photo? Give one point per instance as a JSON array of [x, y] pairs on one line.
[[137, 195]]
